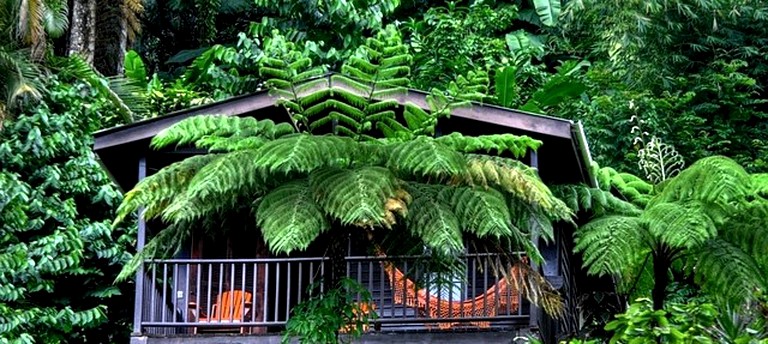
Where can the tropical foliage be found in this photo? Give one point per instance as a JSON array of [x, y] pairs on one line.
[[58, 254], [692, 74]]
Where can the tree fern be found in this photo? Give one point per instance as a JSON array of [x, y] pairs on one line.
[[480, 212], [679, 225], [515, 178], [425, 156], [357, 196], [289, 217], [708, 214], [519, 146], [610, 244], [434, 222], [156, 191], [202, 131]]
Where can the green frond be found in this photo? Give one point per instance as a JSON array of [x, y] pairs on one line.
[[529, 216], [748, 229], [203, 131], [384, 105], [725, 270], [515, 178], [229, 144], [481, 212], [582, 198], [517, 145], [760, 184], [365, 196], [424, 156], [310, 73], [679, 226], [363, 67], [311, 98], [304, 153], [611, 244], [165, 244], [349, 97], [435, 223], [220, 182], [155, 192], [332, 104], [289, 218], [716, 180]]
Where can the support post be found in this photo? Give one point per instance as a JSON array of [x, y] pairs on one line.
[[140, 240], [533, 319]]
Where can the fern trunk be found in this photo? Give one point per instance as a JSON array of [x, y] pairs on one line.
[[661, 281], [337, 266]]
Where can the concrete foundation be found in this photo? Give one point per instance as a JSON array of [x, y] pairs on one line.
[[374, 338]]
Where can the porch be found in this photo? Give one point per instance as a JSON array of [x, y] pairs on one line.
[[254, 297]]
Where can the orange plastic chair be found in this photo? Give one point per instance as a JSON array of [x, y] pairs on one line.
[[230, 307]]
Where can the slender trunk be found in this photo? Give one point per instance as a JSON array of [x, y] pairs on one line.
[[661, 280], [337, 269]]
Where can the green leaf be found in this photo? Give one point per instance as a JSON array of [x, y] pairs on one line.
[[135, 69], [506, 84], [548, 11], [518, 41]]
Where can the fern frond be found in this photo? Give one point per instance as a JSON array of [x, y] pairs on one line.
[[748, 230], [365, 197], [678, 225], [424, 156], [611, 244], [715, 180], [481, 212], [156, 191], [289, 218], [165, 244], [192, 129], [515, 178], [434, 222], [219, 183], [725, 270], [304, 153], [582, 198], [517, 145]]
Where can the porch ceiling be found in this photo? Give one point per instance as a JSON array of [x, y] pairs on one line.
[[562, 158]]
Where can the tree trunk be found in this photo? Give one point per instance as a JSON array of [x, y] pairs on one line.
[[122, 43], [661, 281], [337, 265], [82, 31]]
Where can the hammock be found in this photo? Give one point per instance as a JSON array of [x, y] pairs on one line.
[[488, 304]]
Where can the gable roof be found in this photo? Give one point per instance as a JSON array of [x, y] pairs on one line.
[[120, 148]]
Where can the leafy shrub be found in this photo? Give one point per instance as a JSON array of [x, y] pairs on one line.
[[321, 318]]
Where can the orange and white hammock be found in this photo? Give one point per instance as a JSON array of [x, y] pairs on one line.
[[502, 296]]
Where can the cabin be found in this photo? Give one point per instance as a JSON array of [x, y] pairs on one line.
[[230, 289]]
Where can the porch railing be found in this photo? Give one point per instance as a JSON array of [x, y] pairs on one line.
[[256, 295]]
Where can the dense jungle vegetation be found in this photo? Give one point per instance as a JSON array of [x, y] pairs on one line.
[[672, 94]]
